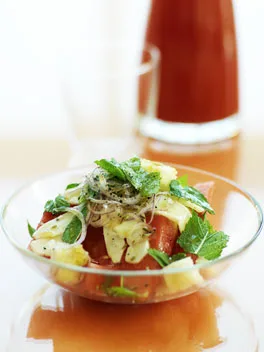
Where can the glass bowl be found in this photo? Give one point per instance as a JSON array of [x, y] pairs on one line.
[[237, 213]]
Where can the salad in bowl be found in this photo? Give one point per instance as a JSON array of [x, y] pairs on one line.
[[135, 231]]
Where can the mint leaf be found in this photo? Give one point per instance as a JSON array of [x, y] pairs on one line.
[[183, 180], [147, 183], [113, 167], [74, 228], [31, 229], [86, 193], [131, 171], [209, 226], [49, 206], [56, 206], [118, 291], [133, 163], [191, 194], [177, 256], [126, 171], [161, 257], [72, 231], [134, 177], [84, 210], [201, 239], [150, 184], [61, 202], [214, 245], [72, 185]]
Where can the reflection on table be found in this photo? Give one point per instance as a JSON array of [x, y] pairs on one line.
[[57, 321]]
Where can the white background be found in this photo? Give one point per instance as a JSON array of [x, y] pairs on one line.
[[33, 34]]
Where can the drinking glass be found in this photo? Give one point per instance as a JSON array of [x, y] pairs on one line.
[[105, 88]]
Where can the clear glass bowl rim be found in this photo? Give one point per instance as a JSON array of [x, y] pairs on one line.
[[132, 273]]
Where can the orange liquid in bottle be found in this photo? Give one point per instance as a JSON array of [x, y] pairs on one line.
[[197, 40]]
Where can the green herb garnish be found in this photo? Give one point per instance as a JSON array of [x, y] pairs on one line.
[[113, 167], [132, 176], [84, 210], [59, 205], [163, 258], [31, 229], [119, 291], [74, 228], [191, 194], [177, 256], [87, 193], [150, 184], [183, 180], [201, 239], [72, 231], [131, 171], [72, 185], [134, 163]]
